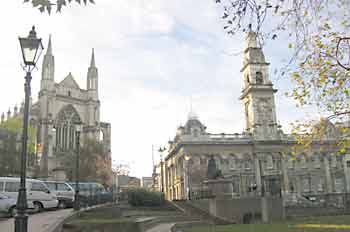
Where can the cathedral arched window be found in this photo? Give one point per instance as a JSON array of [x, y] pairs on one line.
[[65, 123], [259, 77]]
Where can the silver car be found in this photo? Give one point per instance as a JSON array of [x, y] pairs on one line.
[[7, 205]]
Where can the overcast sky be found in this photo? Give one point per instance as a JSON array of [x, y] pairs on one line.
[[153, 56]]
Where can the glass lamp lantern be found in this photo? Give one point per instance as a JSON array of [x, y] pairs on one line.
[[31, 47]]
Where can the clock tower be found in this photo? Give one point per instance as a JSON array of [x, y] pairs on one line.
[[258, 92]]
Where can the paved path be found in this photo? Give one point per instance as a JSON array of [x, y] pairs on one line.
[[40, 222], [164, 227]]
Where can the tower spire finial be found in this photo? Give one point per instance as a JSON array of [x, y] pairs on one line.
[[192, 114], [92, 63], [251, 39], [49, 47]]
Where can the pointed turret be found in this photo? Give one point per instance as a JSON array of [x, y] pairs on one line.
[[15, 110], [92, 62], [92, 78], [48, 69], [9, 114], [49, 47], [21, 108]]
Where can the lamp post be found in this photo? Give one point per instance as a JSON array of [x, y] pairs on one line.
[[187, 178], [161, 149], [78, 129], [31, 48]]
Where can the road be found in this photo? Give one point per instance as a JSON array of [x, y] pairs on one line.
[[39, 222]]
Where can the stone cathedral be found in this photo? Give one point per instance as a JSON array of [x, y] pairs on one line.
[[257, 160], [59, 108]]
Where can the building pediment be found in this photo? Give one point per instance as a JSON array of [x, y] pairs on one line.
[[69, 82]]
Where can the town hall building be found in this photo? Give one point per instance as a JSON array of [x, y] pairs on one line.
[[258, 160]]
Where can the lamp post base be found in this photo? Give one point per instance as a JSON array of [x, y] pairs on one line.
[[21, 223]]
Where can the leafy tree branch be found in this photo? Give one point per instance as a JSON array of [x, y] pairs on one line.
[[48, 5]]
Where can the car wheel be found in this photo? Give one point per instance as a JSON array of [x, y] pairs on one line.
[[13, 211], [38, 207], [62, 205]]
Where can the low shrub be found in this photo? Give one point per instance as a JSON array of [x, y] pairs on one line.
[[144, 197]]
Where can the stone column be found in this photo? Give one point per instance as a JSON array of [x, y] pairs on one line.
[[284, 172], [185, 179], [329, 188], [258, 172], [346, 172], [298, 185]]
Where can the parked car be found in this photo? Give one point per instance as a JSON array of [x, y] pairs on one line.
[[64, 193], [38, 193], [7, 205]]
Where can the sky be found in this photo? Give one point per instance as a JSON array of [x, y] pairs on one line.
[[155, 59]]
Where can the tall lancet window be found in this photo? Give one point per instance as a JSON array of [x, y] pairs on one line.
[[65, 128]]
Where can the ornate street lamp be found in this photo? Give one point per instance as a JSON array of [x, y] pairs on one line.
[[78, 130], [31, 48]]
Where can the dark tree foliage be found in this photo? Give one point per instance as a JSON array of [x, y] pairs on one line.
[[144, 197], [48, 5], [94, 163], [9, 155]]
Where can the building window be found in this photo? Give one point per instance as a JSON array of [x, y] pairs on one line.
[[270, 160], [259, 77], [320, 185], [65, 129], [233, 163], [291, 162], [247, 164], [307, 184], [338, 184], [303, 162], [12, 187], [348, 163], [316, 162], [69, 93]]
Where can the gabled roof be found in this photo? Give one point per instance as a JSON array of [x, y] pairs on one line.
[[69, 82]]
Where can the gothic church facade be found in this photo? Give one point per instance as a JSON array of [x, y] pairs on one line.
[[60, 107]]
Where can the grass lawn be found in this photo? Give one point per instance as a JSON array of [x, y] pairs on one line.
[[310, 224]]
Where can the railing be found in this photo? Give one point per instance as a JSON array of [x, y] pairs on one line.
[[90, 198], [215, 137]]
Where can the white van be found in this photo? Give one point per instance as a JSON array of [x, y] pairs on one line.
[[63, 191], [37, 192]]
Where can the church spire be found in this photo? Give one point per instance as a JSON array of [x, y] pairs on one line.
[[92, 62], [48, 69], [92, 78], [9, 114], [49, 47]]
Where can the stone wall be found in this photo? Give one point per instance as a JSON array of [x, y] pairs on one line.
[[244, 210]]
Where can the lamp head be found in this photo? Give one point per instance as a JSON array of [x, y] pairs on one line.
[[31, 48]]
